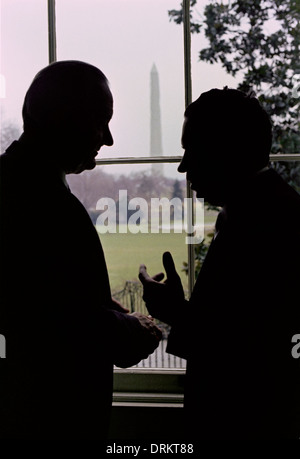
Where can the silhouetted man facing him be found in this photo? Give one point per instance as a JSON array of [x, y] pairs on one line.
[[237, 328], [62, 328]]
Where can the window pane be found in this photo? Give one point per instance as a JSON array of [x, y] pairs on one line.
[[125, 39], [132, 233], [24, 51], [124, 223]]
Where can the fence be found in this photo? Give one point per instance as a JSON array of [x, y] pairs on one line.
[[131, 297]]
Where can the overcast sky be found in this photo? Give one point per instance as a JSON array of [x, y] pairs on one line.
[[121, 37]]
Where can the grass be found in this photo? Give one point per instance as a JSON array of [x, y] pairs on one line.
[[125, 252]]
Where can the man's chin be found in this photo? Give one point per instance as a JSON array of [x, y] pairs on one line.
[[212, 199], [90, 164], [86, 166]]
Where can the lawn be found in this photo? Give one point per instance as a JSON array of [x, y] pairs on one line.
[[125, 252]]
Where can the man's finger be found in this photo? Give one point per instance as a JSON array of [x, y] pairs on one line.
[[169, 265], [143, 275], [158, 277]]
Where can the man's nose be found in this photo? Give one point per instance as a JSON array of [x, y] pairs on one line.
[[183, 165], [108, 139]]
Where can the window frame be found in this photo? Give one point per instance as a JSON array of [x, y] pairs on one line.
[[130, 384]]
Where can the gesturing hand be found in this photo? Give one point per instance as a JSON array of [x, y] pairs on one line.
[[163, 300]]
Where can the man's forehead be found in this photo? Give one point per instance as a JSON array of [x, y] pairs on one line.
[[104, 102], [186, 132]]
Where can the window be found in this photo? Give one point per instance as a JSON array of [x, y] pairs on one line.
[[134, 43]]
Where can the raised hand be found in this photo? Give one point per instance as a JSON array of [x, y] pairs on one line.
[[163, 300]]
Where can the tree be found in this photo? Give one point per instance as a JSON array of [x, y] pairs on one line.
[[91, 185], [259, 40], [178, 190], [9, 133]]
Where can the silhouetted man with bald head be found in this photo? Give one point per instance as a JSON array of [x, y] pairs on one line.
[[238, 329], [62, 328]]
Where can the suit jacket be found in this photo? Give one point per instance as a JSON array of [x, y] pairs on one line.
[[62, 336], [242, 380]]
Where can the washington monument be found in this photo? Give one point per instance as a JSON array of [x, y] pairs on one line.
[[155, 122]]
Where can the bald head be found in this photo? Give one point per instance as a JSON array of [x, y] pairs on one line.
[[66, 104], [65, 94]]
